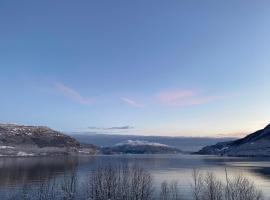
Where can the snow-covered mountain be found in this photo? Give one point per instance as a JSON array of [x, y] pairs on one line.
[[139, 147]]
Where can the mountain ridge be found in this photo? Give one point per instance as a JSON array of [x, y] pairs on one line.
[[187, 144], [254, 144], [22, 140]]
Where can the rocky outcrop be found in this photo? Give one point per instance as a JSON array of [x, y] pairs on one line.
[[255, 144]]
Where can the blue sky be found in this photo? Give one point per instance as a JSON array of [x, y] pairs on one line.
[[192, 68]]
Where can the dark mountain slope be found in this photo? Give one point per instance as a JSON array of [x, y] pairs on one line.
[[255, 144], [20, 140], [39, 136]]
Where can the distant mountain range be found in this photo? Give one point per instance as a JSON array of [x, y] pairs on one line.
[[189, 144], [139, 147], [255, 144], [21, 140]]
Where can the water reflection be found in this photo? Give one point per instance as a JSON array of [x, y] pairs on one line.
[[17, 171]]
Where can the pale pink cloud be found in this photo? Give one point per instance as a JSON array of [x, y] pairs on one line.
[[132, 102], [184, 98], [174, 96], [72, 94]]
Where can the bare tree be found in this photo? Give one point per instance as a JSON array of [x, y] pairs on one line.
[[227, 185], [141, 184], [212, 187], [69, 186], [169, 191], [174, 190], [119, 183], [208, 187], [240, 188], [122, 182], [164, 191], [46, 190], [197, 185]]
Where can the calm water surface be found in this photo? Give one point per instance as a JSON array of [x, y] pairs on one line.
[[14, 172]]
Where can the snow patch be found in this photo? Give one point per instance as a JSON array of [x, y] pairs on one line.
[[223, 149], [140, 143], [6, 147], [21, 153]]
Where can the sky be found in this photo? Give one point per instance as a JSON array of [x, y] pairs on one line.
[[146, 67]]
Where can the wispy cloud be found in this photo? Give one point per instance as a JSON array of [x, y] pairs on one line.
[[72, 94], [184, 98], [111, 128], [120, 127], [132, 102]]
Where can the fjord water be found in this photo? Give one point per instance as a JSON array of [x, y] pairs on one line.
[[16, 172]]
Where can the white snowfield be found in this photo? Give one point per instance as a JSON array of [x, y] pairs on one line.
[[6, 147], [21, 153], [140, 143]]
